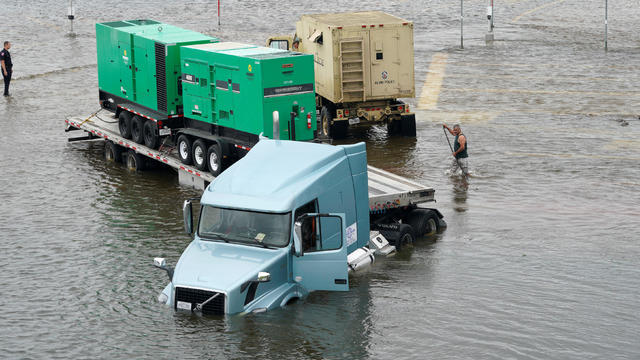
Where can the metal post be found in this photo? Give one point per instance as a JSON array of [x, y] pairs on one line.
[[71, 14], [489, 35], [461, 25], [606, 22], [276, 126], [218, 14]]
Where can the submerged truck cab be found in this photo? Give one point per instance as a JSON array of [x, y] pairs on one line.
[[272, 231]]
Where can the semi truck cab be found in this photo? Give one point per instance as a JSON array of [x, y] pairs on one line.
[[273, 227]]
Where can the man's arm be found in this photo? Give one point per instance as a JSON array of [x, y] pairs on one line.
[[4, 69], [448, 128]]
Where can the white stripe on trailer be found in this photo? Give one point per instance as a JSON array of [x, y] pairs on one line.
[[109, 131], [148, 117]]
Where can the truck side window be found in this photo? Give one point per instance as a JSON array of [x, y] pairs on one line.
[[310, 229], [279, 44]]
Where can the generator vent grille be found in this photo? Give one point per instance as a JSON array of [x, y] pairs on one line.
[[161, 77]]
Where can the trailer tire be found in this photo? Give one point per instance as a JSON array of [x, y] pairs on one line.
[[124, 124], [401, 237], [214, 159], [150, 134], [135, 161], [424, 222], [326, 116], [112, 152], [199, 149], [184, 149], [408, 125], [137, 125]]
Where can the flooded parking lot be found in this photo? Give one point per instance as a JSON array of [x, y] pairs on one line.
[[540, 259]]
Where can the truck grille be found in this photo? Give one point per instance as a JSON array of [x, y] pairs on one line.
[[161, 77], [197, 296]]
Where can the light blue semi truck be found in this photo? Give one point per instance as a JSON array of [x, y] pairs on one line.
[[290, 218]]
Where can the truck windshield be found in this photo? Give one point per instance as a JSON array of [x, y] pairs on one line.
[[242, 226]]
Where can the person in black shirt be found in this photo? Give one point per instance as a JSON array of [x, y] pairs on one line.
[[7, 66]]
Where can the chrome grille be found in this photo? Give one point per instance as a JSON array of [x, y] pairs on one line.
[[197, 296]]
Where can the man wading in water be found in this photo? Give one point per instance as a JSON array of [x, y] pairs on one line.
[[459, 150]]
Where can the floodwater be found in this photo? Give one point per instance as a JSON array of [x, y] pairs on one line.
[[540, 259]]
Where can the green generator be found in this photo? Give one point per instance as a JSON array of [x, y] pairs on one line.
[[232, 89], [139, 67]]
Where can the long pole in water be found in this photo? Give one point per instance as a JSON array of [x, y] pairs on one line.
[[461, 27], [451, 147], [218, 14], [606, 22]]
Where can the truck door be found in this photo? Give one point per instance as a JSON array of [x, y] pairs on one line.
[[320, 262], [126, 71], [385, 62], [224, 96]]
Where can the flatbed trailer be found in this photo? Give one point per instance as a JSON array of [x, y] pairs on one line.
[[388, 193]]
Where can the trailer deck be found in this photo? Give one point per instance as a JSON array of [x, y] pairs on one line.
[[386, 190]]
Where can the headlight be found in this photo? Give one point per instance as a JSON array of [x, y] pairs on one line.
[[162, 298]]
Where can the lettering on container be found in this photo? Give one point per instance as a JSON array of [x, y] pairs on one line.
[[288, 90]]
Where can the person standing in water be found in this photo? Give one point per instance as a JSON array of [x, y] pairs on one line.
[[6, 66], [460, 146]]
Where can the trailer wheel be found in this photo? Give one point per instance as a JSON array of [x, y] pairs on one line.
[[200, 154], [184, 149], [214, 160], [112, 152], [407, 235], [150, 134], [135, 161], [326, 115], [408, 125], [124, 124], [401, 237], [137, 124], [423, 221]]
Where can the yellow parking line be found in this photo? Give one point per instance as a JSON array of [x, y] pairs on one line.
[[432, 84], [555, 92], [515, 19], [575, 156]]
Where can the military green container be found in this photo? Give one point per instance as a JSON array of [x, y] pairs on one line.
[[239, 86], [139, 64]]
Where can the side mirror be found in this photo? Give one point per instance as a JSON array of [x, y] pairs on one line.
[[188, 218], [161, 264], [297, 236], [264, 276]]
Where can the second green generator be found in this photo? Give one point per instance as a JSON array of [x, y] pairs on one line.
[[237, 87]]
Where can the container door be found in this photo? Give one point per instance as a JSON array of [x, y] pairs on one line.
[[141, 79], [323, 262], [196, 90], [385, 62], [126, 70], [224, 96]]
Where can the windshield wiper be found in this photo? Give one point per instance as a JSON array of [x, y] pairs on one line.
[[216, 236], [241, 239]]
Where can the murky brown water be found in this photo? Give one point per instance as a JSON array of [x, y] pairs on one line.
[[540, 259]]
